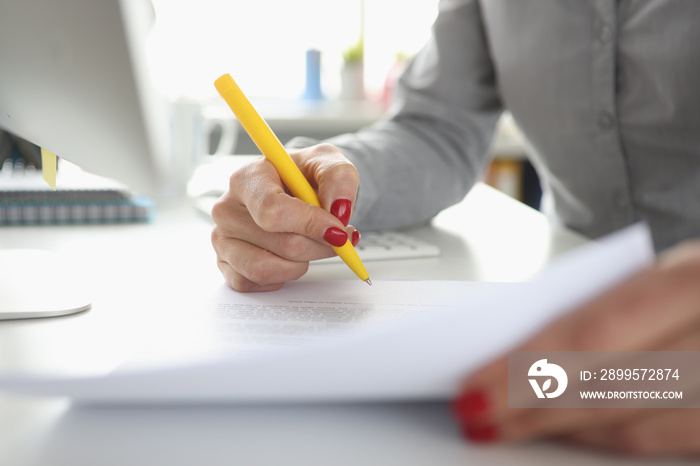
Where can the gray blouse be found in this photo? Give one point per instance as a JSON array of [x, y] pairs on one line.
[[607, 93]]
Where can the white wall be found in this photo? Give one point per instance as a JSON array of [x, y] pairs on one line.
[[262, 43]]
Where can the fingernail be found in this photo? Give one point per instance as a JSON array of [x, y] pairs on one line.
[[481, 434], [341, 209], [473, 405], [355, 237], [335, 236]]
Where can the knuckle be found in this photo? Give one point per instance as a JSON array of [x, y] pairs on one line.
[[311, 225], [216, 236], [325, 149], [222, 244], [256, 270], [328, 159], [241, 284], [300, 270], [225, 228], [269, 214], [236, 177], [240, 176], [232, 278], [347, 172], [238, 181], [220, 210], [295, 247], [339, 168]]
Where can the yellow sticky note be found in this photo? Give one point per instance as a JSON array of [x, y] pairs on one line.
[[48, 167]]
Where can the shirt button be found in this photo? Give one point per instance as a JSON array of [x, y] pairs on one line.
[[605, 33], [606, 120]]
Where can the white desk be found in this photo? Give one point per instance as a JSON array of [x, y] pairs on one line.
[[487, 237]]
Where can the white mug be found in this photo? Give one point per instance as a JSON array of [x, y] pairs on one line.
[[191, 124]]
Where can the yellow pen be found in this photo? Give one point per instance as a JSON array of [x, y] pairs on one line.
[[274, 151]]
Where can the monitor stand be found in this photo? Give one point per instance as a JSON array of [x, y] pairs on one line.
[[36, 283]]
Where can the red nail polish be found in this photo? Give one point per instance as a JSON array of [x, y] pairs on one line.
[[481, 434], [341, 209], [473, 405], [355, 237], [335, 236]]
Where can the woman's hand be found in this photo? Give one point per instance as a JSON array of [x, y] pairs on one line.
[[264, 237], [656, 310]]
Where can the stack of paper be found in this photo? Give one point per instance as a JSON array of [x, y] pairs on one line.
[[343, 341]]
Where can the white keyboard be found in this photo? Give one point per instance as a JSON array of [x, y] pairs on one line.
[[389, 245], [374, 246]]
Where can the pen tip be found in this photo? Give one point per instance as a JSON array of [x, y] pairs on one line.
[[369, 282]]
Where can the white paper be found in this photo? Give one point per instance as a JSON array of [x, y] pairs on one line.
[[396, 340]]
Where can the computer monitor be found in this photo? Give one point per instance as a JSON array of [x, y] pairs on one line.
[[74, 80]]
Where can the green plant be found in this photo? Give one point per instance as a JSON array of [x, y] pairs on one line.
[[355, 53]]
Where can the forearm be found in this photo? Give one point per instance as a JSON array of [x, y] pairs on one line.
[[412, 167]]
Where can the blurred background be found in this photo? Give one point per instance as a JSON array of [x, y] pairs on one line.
[[267, 45], [263, 43], [312, 68]]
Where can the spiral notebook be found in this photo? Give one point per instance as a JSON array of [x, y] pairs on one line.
[[80, 198]]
